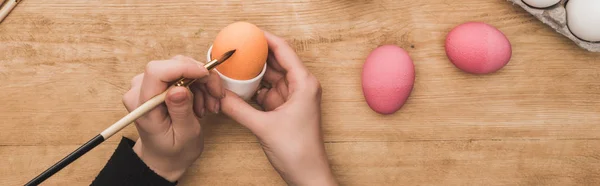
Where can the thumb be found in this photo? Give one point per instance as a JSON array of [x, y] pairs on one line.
[[236, 108], [180, 107]]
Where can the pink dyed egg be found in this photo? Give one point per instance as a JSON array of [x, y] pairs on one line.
[[388, 77], [478, 48]]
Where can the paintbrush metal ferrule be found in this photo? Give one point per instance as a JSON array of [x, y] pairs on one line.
[[184, 82]]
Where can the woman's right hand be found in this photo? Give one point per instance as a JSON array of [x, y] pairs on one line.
[[289, 129]]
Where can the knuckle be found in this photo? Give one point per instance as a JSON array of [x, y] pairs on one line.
[[126, 97], [282, 83], [283, 41], [150, 67], [279, 42], [274, 46], [180, 113], [179, 57], [197, 131], [314, 84], [319, 87], [304, 75], [136, 79], [183, 59]]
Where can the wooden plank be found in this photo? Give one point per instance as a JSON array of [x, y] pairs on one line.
[[502, 162]]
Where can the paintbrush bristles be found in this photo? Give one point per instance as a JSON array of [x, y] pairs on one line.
[[226, 56], [213, 63], [209, 66]]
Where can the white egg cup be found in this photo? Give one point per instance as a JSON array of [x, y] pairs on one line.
[[243, 88]]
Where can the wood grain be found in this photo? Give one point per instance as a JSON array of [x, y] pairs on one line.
[[65, 64], [486, 162]]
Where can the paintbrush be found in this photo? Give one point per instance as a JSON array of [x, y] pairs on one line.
[[122, 123], [7, 8]]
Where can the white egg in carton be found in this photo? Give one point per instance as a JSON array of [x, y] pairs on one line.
[[579, 20]]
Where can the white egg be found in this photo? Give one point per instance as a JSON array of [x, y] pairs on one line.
[[541, 3], [583, 19]]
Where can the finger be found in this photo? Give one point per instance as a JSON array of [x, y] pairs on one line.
[[202, 80], [213, 84], [137, 80], [158, 76], [180, 106], [261, 95], [272, 100], [184, 58], [282, 88], [272, 62], [272, 76], [198, 101], [212, 104], [286, 57], [240, 111], [130, 99]]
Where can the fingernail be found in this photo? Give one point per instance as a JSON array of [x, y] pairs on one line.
[[217, 107], [178, 97], [202, 112]]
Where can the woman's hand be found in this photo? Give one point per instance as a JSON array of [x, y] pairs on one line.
[[290, 127], [170, 135]]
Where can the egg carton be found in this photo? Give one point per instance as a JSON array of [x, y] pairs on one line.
[[556, 17]]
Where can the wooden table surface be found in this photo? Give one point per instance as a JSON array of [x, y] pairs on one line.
[[65, 64]]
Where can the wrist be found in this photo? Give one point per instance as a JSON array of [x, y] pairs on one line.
[[160, 166], [318, 172], [324, 180]]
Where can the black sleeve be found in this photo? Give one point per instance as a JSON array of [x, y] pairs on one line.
[[126, 168]]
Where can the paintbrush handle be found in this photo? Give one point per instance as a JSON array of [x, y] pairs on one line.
[[66, 160], [108, 132], [133, 115], [9, 6], [98, 139], [119, 125], [151, 104]]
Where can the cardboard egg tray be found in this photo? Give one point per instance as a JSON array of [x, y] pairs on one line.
[[556, 17]]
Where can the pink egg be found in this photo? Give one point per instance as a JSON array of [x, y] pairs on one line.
[[388, 77], [478, 48]]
